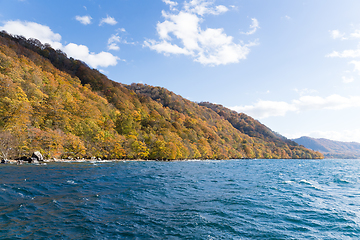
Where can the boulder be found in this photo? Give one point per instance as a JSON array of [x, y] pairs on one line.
[[38, 156], [34, 160]]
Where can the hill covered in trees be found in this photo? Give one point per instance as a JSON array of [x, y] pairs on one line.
[[330, 148], [62, 108]]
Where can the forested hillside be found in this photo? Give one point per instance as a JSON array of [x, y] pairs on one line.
[[62, 108]]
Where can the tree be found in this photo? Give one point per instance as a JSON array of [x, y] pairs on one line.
[[7, 144]]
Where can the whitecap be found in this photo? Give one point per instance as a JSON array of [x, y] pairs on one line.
[[305, 181], [289, 182], [312, 184], [342, 181], [70, 182]]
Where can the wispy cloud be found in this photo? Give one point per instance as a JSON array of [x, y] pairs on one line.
[[46, 35], [113, 42], [116, 39], [108, 20], [86, 20], [253, 27], [233, 7], [356, 66], [351, 53], [287, 17], [203, 7], [305, 91], [172, 4], [181, 33], [335, 34], [265, 109], [355, 34], [347, 79]]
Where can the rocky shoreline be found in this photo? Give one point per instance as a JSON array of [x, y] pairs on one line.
[[38, 159], [45, 161]]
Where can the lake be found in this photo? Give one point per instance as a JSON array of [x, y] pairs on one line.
[[227, 199]]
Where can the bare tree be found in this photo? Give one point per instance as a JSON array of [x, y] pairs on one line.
[[7, 144]]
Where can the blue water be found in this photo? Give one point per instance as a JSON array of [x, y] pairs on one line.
[[236, 199]]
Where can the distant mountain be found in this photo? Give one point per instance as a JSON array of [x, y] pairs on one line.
[[331, 149], [62, 108]]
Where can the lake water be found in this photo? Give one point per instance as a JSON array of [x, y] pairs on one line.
[[234, 199]]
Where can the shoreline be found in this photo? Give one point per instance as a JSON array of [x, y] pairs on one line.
[[43, 162]]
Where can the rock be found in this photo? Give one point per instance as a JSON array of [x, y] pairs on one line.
[[33, 160], [38, 156], [24, 158]]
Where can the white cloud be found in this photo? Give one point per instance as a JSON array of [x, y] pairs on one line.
[[108, 20], [351, 53], [253, 27], [172, 4], [356, 66], [33, 30], [264, 109], [202, 7], [166, 47], [95, 60], [234, 7], [46, 35], [332, 102], [113, 41], [305, 91], [355, 34], [347, 79], [181, 33], [335, 34], [84, 19]]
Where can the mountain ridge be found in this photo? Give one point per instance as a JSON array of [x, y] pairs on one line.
[[331, 148], [62, 108]]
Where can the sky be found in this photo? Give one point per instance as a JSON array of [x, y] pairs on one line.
[[292, 65]]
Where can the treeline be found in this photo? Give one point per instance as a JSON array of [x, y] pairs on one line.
[[62, 108]]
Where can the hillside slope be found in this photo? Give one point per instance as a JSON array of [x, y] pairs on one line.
[[63, 108], [331, 149]]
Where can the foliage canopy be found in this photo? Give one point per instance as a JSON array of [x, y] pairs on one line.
[[62, 108]]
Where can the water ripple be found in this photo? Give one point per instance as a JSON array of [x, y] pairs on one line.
[[237, 199]]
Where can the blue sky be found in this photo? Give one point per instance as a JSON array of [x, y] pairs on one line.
[[293, 65]]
